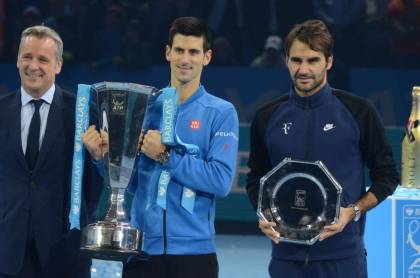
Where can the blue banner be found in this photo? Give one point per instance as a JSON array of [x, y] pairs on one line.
[[81, 124], [170, 138]]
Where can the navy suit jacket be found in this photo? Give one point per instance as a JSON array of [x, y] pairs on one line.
[[36, 204]]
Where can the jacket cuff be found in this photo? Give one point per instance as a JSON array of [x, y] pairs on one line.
[[100, 165], [174, 160]]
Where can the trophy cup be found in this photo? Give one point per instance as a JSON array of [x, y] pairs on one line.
[[301, 197], [122, 107]]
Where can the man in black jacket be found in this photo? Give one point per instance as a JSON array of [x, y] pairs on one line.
[[36, 135], [316, 122]]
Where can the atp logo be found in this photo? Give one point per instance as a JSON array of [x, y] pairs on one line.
[[286, 127], [413, 228], [300, 198], [411, 241], [414, 267]]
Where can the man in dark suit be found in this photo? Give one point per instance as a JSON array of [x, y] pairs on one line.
[[36, 151]]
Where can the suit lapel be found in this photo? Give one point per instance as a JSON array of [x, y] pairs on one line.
[[53, 128], [15, 129]]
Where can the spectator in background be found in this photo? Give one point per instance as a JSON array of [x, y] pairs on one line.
[[109, 40], [31, 16], [93, 22], [405, 40], [272, 55], [223, 54], [228, 19], [376, 35], [67, 17], [344, 18], [135, 50]]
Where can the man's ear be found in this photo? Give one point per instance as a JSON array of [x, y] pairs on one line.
[[330, 61], [207, 57], [58, 66], [168, 53]]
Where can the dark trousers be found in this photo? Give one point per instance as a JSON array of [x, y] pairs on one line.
[[31, 267], [174, 266], [354, 267], [61, 265]]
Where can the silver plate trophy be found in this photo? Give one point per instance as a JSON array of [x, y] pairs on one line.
[[301, 197], [121, 111]]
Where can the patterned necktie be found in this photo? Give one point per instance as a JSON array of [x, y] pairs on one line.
[[32, 146]]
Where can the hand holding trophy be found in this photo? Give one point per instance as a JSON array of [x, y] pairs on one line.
[[301, 198], [96, 143]]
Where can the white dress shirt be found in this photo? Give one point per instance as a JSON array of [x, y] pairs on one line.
[[27, 112]]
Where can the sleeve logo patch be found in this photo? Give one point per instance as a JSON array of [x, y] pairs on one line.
[[195, 124]]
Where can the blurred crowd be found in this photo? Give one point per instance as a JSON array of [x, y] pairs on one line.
[[368, 33]]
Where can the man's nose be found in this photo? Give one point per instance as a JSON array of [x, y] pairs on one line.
[[303, 68], [184, 58], [33, 64]]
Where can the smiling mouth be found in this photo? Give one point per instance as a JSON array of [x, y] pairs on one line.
[[33, 76]]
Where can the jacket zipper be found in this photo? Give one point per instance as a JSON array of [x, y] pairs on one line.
[[308, 112], [309, 131], [164, 233]]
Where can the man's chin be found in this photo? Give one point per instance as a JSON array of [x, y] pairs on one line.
[[32, 89], [306, 89], [184, 80]]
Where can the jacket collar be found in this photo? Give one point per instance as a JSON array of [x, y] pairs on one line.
[[315, 100], [46, 97], [198, 93]]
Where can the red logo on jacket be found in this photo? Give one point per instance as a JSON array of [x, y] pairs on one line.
[[195, 124]]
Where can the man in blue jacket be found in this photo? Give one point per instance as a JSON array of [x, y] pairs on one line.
[[178, 218], [36, 135], [316, 122]]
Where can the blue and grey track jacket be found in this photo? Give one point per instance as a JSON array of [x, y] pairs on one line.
[[211, 124], [339, 129]]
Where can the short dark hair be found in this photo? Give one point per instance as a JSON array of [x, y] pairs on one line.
[[190, 26], [314, 33]]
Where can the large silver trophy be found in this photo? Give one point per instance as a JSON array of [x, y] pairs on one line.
[[301, 197], [121, 111]]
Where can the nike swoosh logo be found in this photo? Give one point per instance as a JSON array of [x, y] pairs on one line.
[[328, 127]]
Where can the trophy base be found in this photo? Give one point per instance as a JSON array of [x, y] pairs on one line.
[[111, 241]]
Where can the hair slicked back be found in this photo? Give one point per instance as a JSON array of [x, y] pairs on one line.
[[313, 33]]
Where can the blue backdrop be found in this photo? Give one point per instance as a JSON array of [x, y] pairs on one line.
[[248, 88]]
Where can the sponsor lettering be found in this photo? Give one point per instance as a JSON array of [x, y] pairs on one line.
[[168, 118], [226, 134], [81, 119], [77, 182]]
